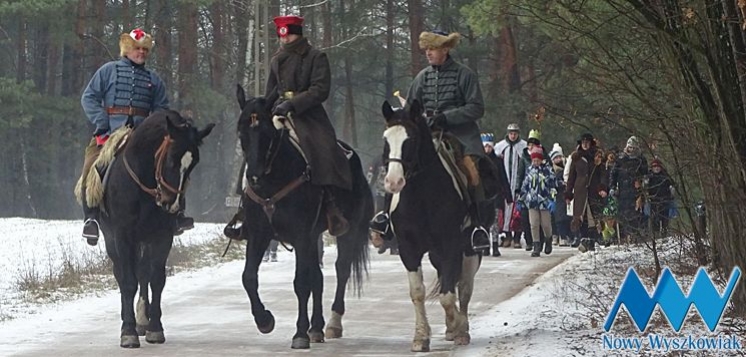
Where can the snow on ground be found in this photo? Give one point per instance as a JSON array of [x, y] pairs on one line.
[[39, 248], [563, 312]]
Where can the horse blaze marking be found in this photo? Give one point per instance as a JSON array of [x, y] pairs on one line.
[[186, 162], [395, 137]]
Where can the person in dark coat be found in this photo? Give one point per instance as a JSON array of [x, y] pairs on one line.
[[504, 193], [625, 182], [587, 186], [660, 195], [297, 86]]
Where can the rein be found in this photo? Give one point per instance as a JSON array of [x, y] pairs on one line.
[[160, 159], [268, 204], [417, 167]]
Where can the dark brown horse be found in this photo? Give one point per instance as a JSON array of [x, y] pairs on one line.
[[142, 195], [281, 203]]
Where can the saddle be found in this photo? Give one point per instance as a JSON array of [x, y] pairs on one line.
[[451, 154], [94, 180]]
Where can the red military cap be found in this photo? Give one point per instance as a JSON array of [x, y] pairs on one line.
[[290, 24]]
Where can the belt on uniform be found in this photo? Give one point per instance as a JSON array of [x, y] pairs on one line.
[[288, 95], [131, 111]]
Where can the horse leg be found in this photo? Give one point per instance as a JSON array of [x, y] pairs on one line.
[[158, 255], [421, 341], [255, 248], [469, 269], [124, 271], [142, 310], [305, 258], [342, 266], [451, 272], [316, 333]]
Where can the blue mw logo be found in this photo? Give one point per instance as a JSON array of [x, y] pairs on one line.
[[673, 303]]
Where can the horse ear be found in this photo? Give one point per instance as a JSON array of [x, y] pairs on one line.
[[171, 128], [387, 110], [241, 96], [206, 131], [415, 110]]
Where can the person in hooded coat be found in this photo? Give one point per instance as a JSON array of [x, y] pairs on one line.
[[625, 182]]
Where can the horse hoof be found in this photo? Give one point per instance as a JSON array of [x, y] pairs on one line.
[[333, 332], [316, 336], [269, 326], [462, 340], [155, 337], [421, 346], [129, 342], [450, 336], [301, 343], [141, 330]]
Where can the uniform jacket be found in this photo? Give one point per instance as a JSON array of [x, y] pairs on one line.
[[452, 89], [122, 83]]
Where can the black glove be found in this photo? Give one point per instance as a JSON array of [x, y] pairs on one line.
[[101, 130], [283, 109], [439, 121]]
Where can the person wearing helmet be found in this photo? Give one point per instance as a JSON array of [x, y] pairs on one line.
[[510, 149]]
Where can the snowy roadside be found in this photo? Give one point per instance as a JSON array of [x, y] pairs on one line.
[[562, 313], [35, 250]]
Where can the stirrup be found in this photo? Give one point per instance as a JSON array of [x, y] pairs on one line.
[[474, 232], [380, 223], [91, 232]]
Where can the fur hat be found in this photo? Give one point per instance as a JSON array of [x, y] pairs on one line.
[[537, 152], [136, 37], [556, 151], [438, 39], [488, 139], [633, 142]]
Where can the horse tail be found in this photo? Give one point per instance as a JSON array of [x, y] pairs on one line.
[[362, 212]]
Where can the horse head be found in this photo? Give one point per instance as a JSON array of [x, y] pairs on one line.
[[406, 129], [257, 133], [176, 157]]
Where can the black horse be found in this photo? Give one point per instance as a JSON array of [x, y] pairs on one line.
[[142, 195], [427, 214], [280, 203]]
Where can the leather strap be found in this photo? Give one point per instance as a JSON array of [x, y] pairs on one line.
[[130, 111]]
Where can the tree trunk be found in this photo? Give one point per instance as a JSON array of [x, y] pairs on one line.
[[217, 57], [389, 85], [21, 50], [327, 16], [188, 20], [41, 51], [164, 45], [53, 63], [350, 127], [416, 14], [509, 61], [242, 23]]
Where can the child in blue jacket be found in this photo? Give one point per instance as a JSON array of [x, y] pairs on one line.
[[538, 191]]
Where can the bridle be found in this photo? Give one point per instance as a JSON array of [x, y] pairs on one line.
[[411, 168], [160, 159], [268, 204]]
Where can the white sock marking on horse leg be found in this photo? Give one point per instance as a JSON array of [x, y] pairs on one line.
[[417, 293], [141, 316], [469, 269], [335, 321]]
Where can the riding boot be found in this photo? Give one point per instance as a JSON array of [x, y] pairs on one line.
[[548, 245], [232, 230], [336, 222], [91, 226], [536, 252], [479, 238], [380, 224], [183, 223]]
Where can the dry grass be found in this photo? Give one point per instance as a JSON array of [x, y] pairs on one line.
[[71, 277]]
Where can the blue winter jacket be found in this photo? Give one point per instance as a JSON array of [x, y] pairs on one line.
[[122, 83], [539, 187]]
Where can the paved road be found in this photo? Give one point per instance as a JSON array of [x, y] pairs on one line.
[[206, 313]]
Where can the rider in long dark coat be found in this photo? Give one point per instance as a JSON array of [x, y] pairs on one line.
[[298, 84]]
